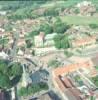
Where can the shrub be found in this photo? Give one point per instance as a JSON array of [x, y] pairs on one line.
[[93, 26], [59, 26]]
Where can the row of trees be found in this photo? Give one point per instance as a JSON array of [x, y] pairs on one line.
[[58, 27], [25, 9], [29, 13], [93, 26], [8, 73]]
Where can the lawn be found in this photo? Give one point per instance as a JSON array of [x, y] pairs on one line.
[[80, 20], [96, 68]]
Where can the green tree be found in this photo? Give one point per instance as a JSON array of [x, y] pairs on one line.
[[29, 43], [59, 26], [8, 72], [65, 42], [93, 26], [16, 69], [54, 63], [3, 66], [57, 41], [4, 81], [22, 91], [61, 41], [32, 34], [46, 28], [51, 12]]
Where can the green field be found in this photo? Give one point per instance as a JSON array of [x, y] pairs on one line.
[[80, 20]]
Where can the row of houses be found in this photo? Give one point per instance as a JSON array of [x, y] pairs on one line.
[[86, 41], [43, 40], [65, 84]]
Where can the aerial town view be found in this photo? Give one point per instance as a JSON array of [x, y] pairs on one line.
[[49, 50]]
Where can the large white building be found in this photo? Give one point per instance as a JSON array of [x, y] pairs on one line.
[[42, 40], [49, 39]]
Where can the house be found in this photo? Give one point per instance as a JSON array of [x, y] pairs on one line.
[[86, 8], [63, 83], [39, 76], [3, 55], [3, 13], [44, 40], [84, 3], [84, 41]]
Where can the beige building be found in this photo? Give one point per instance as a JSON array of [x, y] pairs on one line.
[[83, 41]]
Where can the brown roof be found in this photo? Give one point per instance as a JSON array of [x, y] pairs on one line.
[[84, 41], [66, 82], [60, 84], [72, 67], [63, 84]]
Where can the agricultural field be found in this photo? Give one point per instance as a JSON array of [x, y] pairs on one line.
[[80, 20]]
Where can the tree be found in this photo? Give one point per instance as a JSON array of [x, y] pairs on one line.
[[51, 12], [59, 26], [65, 42], [93, 26], [8, 72], [22, 91], [3, 66], [32, 34], [28, 43], [67, 53], [57, 41], [46, 28], [33, 52], [3, 41], [16, 69], [76, 11], [54, 63], [61, 41], [32, 88], [4, 81]]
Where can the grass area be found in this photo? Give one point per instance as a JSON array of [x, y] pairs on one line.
[[67, 3], [96, 68], [54, 63], [80, 20], [32, 89]]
